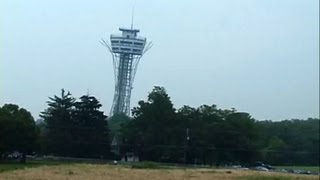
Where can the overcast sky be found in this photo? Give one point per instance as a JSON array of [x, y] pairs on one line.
[[258, 56]]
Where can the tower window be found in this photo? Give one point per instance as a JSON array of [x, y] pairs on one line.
[[138, 43], [125, 49], [125, 42]]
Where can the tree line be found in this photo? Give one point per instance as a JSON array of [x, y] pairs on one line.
[[157, 132]]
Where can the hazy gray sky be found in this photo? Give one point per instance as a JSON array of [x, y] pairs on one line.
[[258, 56]]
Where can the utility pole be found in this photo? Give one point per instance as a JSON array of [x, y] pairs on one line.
[[186, 146]]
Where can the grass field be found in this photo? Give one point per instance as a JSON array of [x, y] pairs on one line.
[[305, 168], [30, 164], [118, 172]]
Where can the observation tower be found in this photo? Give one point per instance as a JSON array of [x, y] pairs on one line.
[[126, 49]]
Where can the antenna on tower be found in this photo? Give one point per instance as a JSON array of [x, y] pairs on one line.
[[132, 15]]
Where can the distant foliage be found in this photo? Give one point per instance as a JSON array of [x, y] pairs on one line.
[[115, 123], [208, 135], [290, 141]]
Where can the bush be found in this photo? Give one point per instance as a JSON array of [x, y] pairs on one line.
[[146, 165]]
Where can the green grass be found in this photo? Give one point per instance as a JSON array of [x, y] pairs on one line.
[[265, 178], [305, 168], [10, 166], [156, 165], [146, 165]]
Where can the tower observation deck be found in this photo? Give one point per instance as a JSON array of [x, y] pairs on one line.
[[126, 50]]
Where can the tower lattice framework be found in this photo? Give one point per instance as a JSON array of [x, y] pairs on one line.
[[126, 50]]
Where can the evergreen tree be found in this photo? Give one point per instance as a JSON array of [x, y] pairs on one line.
[[91, 133], [75, 128], [58, 119]]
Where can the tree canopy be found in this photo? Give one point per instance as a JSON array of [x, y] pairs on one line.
[[18, 130], [209, 135], [158, 132], [75, 128]]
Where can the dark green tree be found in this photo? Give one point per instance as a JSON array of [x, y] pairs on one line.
[[115, 124], [237, 138], [58, 119], [17, 130], [75, 128], [116, 121], [90, 130], [152, 129]]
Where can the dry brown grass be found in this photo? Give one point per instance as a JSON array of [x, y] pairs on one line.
[[109, 172]]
